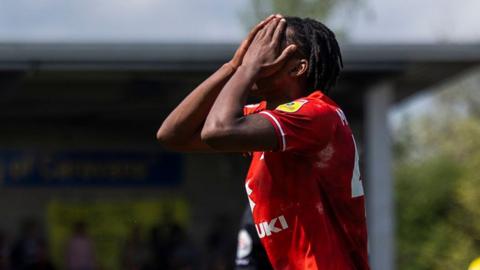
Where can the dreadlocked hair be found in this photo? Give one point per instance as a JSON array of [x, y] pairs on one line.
[[318, 45]]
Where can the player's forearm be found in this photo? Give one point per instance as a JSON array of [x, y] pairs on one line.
[[188, 117], [227, 111]]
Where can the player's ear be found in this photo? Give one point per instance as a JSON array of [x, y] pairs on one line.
[[299, 67]]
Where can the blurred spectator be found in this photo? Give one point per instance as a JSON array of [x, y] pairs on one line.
[[80, 251], [42, 261], [135, 252], [30, 250], [4, 252], [184, 255], [159, 247], [171, 248], [220, 245]]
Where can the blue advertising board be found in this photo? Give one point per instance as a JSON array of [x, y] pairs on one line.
[[89, 169]]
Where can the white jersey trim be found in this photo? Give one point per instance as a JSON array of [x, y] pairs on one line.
[[284, 143], [252, 105]]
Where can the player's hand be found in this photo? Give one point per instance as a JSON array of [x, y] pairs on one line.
[[242, 49], [263, 54]]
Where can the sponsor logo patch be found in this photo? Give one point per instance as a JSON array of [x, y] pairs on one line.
[[291, 106], [275, 225]]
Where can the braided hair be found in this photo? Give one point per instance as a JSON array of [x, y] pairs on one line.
[[318, 45]]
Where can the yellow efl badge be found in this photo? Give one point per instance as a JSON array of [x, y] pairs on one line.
[[291, 106]]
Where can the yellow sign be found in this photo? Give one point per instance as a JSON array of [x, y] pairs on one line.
[[291, 106], [109, 223]]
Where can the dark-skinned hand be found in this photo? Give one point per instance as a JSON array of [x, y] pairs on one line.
[[263, 54], [237, 58]]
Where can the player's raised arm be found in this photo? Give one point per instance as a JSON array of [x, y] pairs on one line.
[[180, 131], [226, 128]]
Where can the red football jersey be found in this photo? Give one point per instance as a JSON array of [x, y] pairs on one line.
[[307, 198]]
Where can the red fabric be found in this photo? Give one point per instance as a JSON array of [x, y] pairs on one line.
[[307, 202]]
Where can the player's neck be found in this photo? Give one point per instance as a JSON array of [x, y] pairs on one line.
[[273, 101]]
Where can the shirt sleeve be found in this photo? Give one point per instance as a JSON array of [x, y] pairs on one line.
[[252, 108], [309, 128]]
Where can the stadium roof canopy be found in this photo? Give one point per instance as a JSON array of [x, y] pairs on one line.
[[375, 77], [410, 68]]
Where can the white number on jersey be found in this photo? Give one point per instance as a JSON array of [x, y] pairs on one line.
[[357, 187]]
